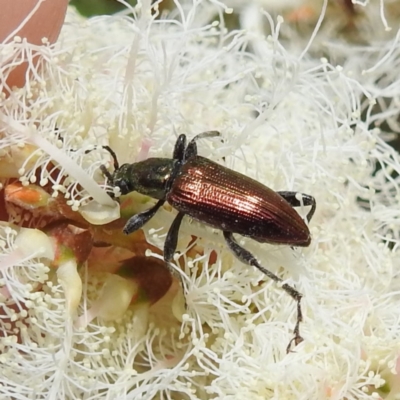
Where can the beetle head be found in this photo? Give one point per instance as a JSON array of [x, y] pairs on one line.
[[148, 177], [120, 179]]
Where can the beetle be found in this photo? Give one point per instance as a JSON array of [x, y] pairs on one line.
[[219, 197]]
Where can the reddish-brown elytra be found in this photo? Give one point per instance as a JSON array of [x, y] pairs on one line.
[[220, 197]]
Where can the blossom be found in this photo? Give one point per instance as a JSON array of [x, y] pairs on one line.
[[288, 118]]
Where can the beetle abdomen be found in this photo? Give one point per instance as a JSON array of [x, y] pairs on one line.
[[233, 202]]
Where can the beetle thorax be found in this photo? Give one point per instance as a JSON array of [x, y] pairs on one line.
[[148, 177]]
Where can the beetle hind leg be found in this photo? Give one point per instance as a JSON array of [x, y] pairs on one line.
[[307, 200], [247, 258]]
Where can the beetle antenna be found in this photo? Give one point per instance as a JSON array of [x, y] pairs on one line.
[[108, 148], [113, 155], [106, 173]]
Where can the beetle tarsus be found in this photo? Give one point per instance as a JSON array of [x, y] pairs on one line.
[[296, 340], [247, 258], [307, 200], [191, 149], [137, 221]]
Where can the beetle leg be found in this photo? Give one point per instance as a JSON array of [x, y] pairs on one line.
[[172, 237], [170, 247], [307, 200], [191, 149], [247, 258], [179, 149], [137, 221]]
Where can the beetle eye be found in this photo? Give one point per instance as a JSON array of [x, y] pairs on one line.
[[122, 185]]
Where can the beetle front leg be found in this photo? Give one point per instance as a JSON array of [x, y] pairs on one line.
[[307, 200], [172, 237], [247, 258], [179, 149], [137, 221]]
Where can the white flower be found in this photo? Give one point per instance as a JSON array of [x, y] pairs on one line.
[[293, 123]]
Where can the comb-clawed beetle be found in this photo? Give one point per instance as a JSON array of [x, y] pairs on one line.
[[219, 197]]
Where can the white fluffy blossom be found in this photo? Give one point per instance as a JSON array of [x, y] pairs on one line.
[[293, 121]]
